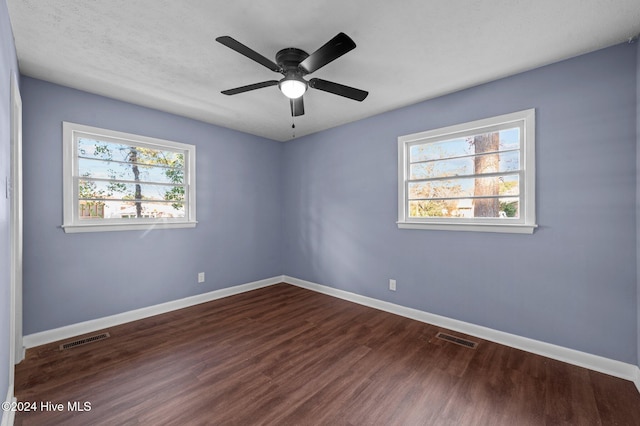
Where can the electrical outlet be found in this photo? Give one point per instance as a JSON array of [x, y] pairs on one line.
[[201, 277], [392, 285]]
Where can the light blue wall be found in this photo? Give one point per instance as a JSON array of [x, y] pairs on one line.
[[572, 283], [8, 66], [69, 278]]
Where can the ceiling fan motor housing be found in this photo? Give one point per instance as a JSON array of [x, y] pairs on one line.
[[289, 59]]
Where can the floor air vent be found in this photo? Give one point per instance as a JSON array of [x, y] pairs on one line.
[[457, 340], [84, 341]]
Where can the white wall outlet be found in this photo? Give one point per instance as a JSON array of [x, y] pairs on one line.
[[200, 277], [392, 285]]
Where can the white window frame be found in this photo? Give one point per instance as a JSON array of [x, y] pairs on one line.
[[525, 224], [71, 224]]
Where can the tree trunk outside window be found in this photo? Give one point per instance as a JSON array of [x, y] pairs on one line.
[[489, 186], [133, 157]]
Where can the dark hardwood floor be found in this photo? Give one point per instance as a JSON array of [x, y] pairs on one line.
[[283, 355]]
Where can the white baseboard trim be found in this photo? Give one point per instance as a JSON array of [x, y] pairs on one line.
[[593, 362], [48, 336], [8, 416]]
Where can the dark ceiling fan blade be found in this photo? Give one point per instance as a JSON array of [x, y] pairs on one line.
[[332, 50], [297, 107], [250, 87], [248, 52], [338, 89]]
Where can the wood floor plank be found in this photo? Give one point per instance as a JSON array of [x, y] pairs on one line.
[[286, 355], [613, 399]]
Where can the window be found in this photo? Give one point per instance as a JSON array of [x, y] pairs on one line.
[[477, 176], [117, 181]]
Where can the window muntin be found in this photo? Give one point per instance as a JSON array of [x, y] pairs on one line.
[[117, 181], [469, 175]]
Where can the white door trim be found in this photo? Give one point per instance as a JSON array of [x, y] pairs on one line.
[[16, 346]]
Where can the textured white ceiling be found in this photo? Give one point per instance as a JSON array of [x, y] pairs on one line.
[[163, 54]]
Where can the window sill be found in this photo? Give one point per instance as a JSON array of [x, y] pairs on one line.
[[72, 229], [474, 227]]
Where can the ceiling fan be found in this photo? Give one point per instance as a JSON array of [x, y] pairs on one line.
[[294, 64]]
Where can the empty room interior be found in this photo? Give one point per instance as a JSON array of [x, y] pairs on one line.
[[301, 213]]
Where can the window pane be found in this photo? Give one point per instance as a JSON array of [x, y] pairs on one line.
[[92, 210], [510, 139], [510, 208], [466, 208], [443, 168], [509, 161], [502, 140], [437, 208], [490, 163], [465, 187], [443, 149], [441, 189], [119, 190], [123, 171], [510, 185], [92, 148]]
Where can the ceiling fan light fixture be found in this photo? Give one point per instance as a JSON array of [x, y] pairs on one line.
[[292, 87]]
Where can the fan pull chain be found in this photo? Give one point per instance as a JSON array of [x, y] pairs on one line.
[[293, 127]]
